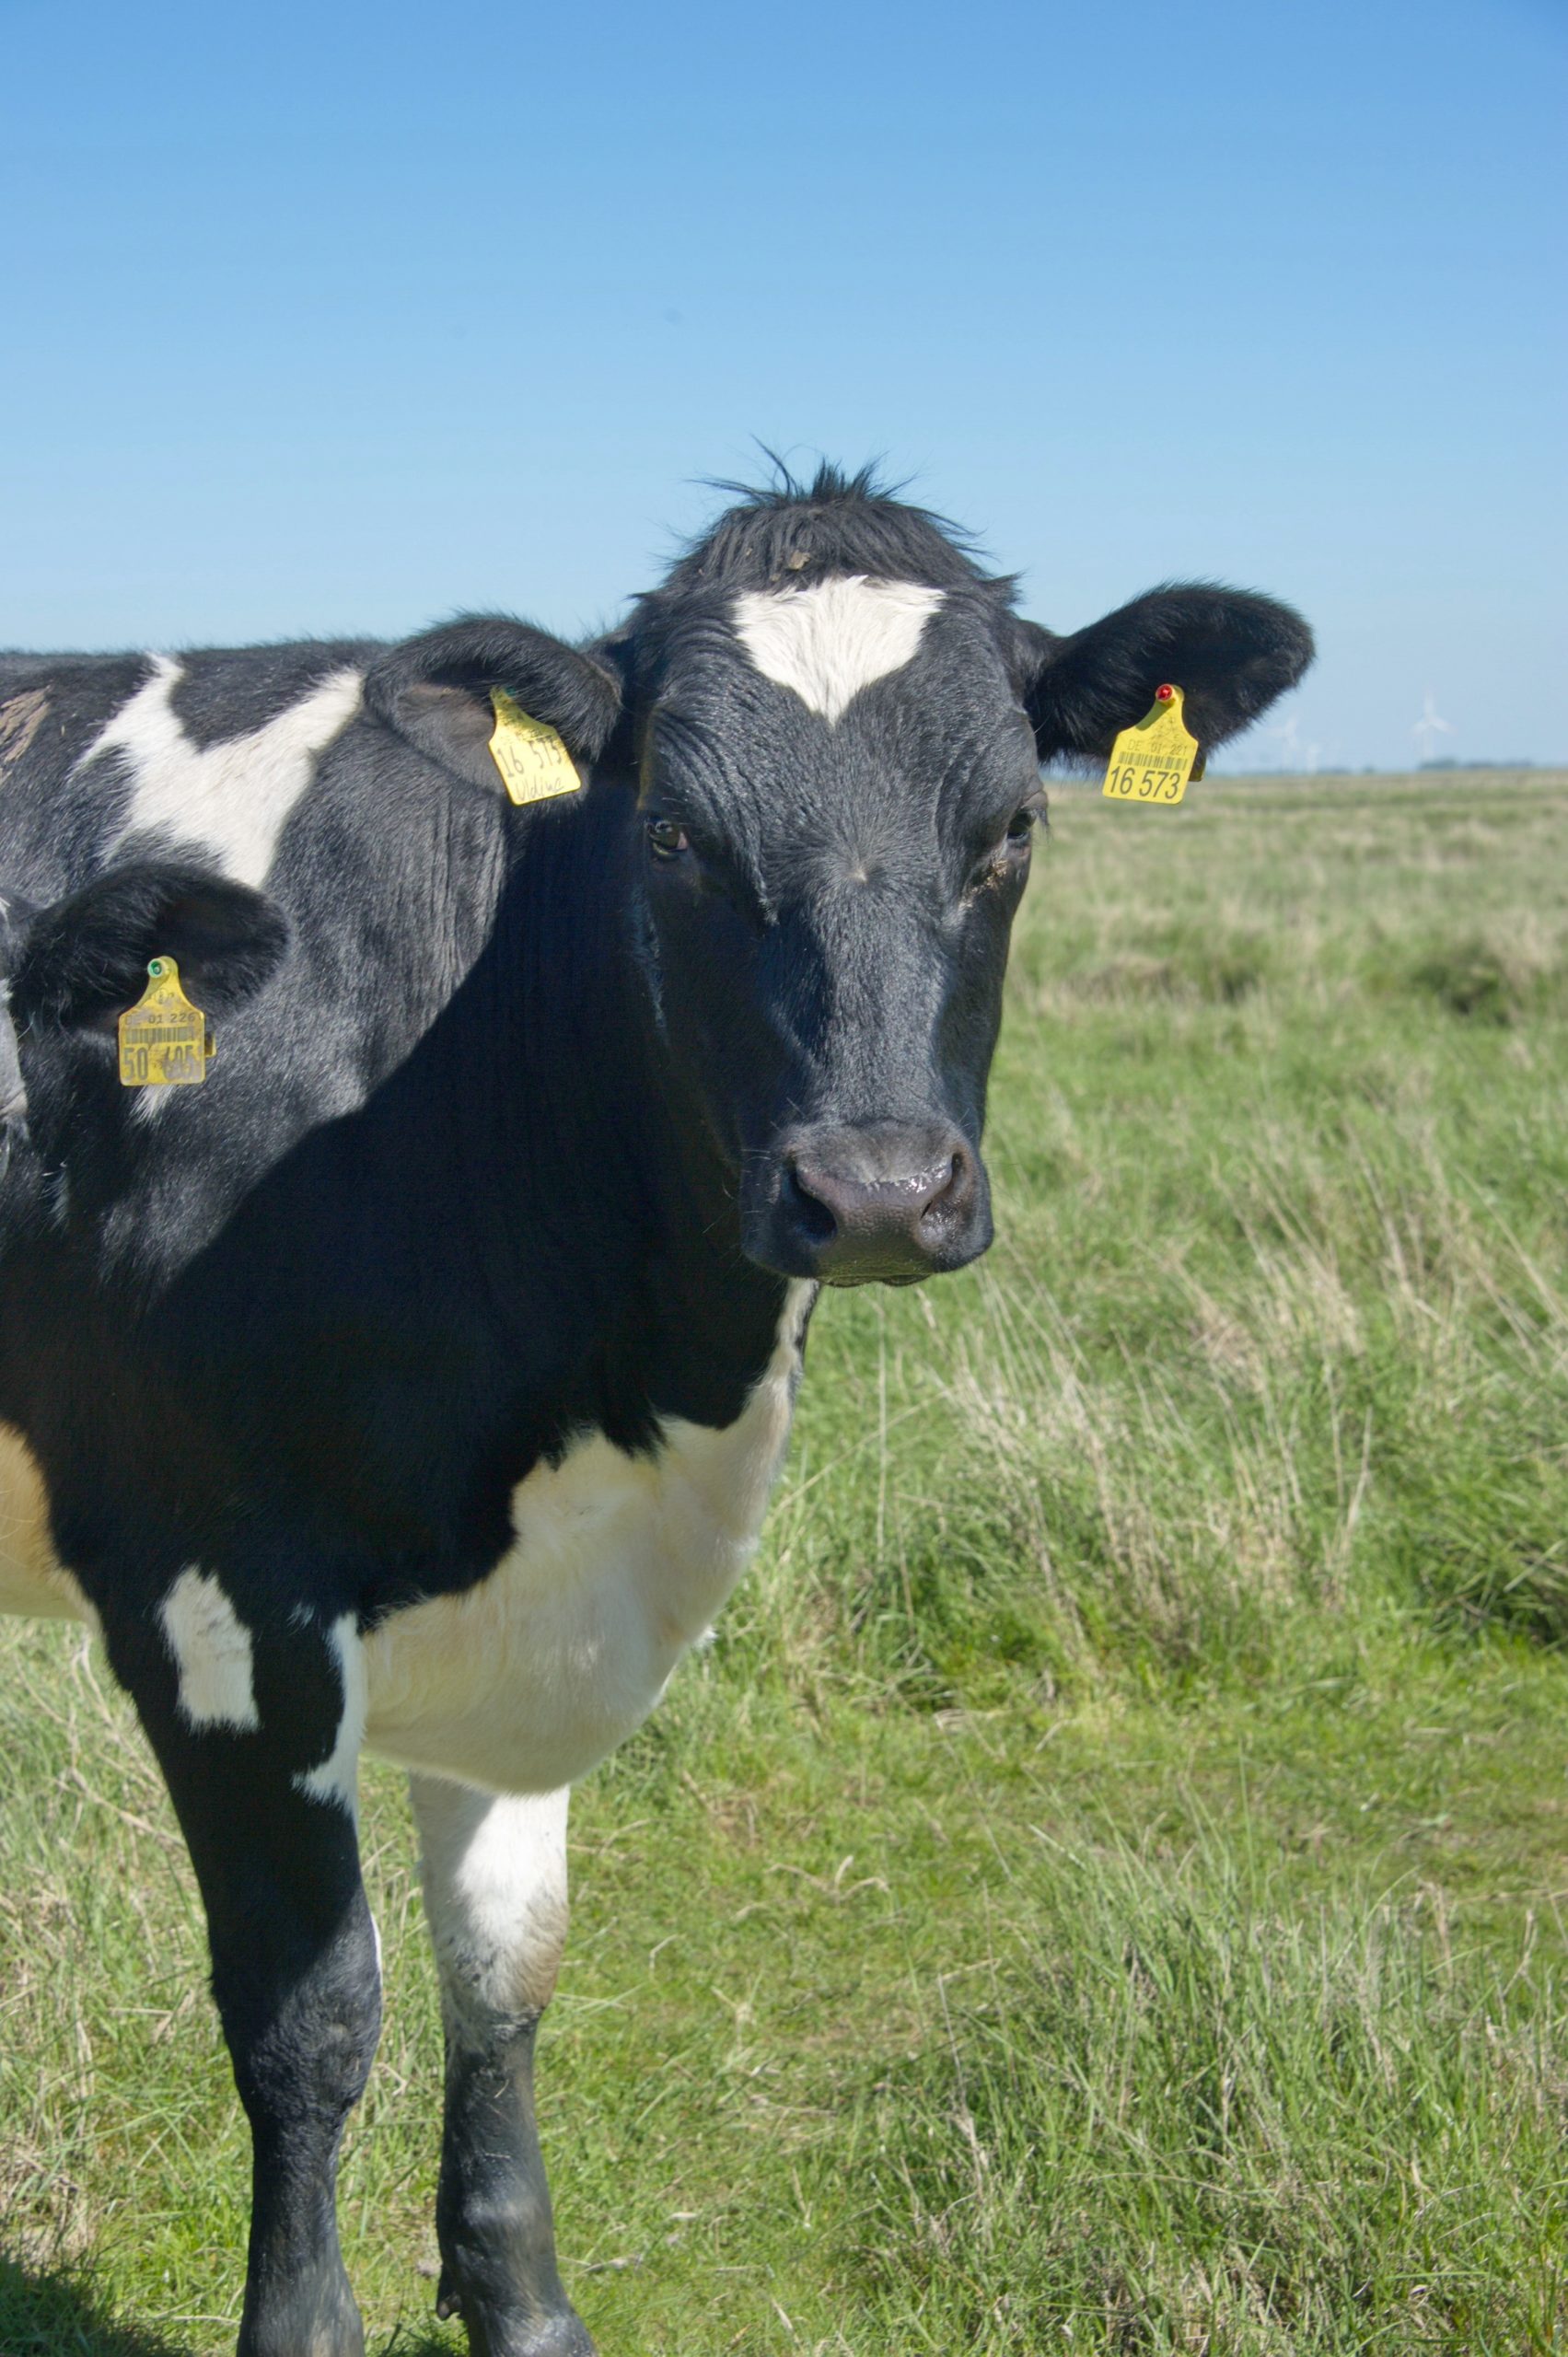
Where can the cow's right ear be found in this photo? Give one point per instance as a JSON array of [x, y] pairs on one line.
[[82, 961], [435, 691]]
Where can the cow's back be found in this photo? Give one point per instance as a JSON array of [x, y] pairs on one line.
[[108, 755]]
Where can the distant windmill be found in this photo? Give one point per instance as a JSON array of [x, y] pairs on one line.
[[1288, 736], [1429, 728]]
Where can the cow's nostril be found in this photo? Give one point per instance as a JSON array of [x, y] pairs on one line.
[[949, 1193], [942, 1187], [816, 1221]]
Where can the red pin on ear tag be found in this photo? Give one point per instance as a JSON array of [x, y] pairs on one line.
[[1152, 761]]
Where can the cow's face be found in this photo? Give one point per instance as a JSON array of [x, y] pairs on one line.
[[838, 796], [829, 725]]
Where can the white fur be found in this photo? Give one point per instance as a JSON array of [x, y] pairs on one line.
[[522, 1683], [211, 1646], [829, 641], [495, 1895], [234, 797], [337, 1778]]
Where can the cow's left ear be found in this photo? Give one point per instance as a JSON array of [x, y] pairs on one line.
[[1229, 652], [435, 691], [82, 961]]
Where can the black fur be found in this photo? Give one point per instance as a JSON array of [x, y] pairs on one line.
[[507, 2287], [788, 531]]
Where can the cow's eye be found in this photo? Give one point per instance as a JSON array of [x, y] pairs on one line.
[[666, 840], [1021, 825]]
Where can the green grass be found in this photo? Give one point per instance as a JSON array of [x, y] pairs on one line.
[[1103, 1889]]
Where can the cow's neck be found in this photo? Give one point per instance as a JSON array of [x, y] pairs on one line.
[[600, 1165]]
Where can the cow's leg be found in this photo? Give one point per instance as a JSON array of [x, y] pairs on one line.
[[258, 1738], [495, 1894]]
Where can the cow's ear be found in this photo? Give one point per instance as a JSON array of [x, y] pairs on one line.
[[1229, 652], [85, 959], [435, 691]]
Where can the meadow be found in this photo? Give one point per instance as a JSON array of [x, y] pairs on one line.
[[1103, 1889]]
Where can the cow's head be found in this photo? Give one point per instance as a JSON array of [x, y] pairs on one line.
[[832, 722]]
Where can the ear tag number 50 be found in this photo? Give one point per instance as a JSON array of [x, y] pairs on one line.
[[164, 1040], [1152, 761]]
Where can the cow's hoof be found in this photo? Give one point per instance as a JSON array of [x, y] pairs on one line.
[[490, 2335]]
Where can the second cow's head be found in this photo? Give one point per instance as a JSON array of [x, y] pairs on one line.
[[828, 725]]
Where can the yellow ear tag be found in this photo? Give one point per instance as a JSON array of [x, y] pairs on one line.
[[533, 760], [164, 1040], [1152, 761]]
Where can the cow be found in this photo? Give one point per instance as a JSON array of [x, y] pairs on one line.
[[415, 1384]]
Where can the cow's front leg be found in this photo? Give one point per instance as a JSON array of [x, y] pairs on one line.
[[258, 1738], [495, 1894]]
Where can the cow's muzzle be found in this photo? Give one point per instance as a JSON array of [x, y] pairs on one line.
[[882, 1203]]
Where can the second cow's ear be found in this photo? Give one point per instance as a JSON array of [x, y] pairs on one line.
[[1230, 652], [435, 691], [83, 962]]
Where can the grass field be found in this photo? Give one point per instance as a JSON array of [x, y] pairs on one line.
[[1104, 1888]]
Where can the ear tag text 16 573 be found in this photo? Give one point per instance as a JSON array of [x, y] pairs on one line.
[[533, 760], [1152, 761], [164, 1040]]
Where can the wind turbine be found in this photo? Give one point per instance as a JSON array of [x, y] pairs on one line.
[[1288, 736], [1429, 728]]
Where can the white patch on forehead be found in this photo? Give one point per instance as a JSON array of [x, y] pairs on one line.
[[233, 797], [337, 1778], [523, 1682], [830, 640], [211, 1646]]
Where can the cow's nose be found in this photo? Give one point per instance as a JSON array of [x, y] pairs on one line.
[[882, 1201]]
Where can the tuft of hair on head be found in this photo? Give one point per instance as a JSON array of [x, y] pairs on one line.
[[789, 531]]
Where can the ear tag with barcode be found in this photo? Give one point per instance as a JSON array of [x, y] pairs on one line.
[[1152, 761], [164, 1040], [533, 760]]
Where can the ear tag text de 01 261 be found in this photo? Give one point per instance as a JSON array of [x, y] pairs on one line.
[[164, 1040], [533, 760], [1152, 761]]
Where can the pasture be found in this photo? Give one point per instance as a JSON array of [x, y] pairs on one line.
[[1102, 1889]]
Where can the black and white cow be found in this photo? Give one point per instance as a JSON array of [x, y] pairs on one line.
[[417, 1382]]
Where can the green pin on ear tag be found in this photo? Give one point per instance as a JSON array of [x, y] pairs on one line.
[[533, 762], [164, 1040], [1154, 759]]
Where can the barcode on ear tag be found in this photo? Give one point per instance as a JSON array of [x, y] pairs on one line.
[[533, 760], [164, 1040], [1152, 761]]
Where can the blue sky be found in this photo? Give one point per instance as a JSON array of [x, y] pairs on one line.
[[335, 318]]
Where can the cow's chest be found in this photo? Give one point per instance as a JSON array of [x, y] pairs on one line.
[[523, 1682]]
